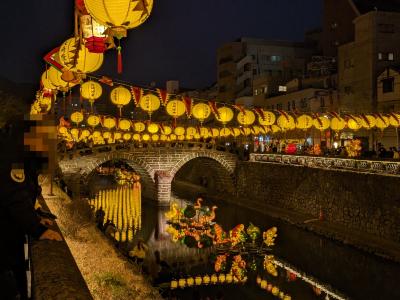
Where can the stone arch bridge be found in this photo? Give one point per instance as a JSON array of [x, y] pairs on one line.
[[157, 166]]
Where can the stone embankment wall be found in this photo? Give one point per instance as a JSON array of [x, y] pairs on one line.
[[364, 202]]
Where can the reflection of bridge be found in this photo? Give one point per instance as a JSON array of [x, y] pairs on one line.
[[157, 166]]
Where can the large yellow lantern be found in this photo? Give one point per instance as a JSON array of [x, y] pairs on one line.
[[109, 122], [127, 136], [382, 122], [179, 131], [77, 117], [93, 120], [321, 123], [368, 121], [145, 137], [46, 82], [175, 108], [155, 137], [167, 130], [354, 123], [124, 124], [394, 119], [269, 118], [149, 103], [152, 128], [275, 128], [201, 111], [55, 78], [139, 127], [246, 118], [225, 115], [120, 96], [304, 122], [77, 58], [338, 123], [91, 91], [286, 122]]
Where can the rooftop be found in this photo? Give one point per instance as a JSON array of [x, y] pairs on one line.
[[365, 6]]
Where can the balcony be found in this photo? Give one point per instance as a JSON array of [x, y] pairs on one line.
[[243, 77], [243, 61]]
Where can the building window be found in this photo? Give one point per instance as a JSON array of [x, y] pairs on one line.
[[380, 56], [276, 58], [265, 89], [282, 88], [388, 85], [386, 28], [390, 56], [256, 92]]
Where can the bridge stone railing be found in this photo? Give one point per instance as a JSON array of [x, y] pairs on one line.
[[369, 166]]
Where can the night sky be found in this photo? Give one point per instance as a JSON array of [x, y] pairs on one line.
[[179, 40]]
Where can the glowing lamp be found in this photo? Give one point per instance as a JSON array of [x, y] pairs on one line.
[[46, 82], [247, 131], [204, 132], [167, 130], [229, 278], [258, 280], [201, 111], [75, 133], [291, 149], [94, 34], [269, 118], [163, 138], [120, 96], [269, 287], [77, 117], [225, 132], [145, 137], [96, 134], [368, 121], [152, 128], [55, 78], [214, 279], [189, 137], [127, 136], [181, 137], [176, 108], [321, 123], [93, 120], [85, 133], [382, 122], [263, 284], [136, 137], [287, 297], [149, 103], [155, 137], [221, 278], [338, 124], [394, 119], [215, 132], [206, 279], [354, 123], [109, 122], [256, 130], [172, 137], [179, 131], [139, 127], [107, 135], [91, 91], [225, 115], [304, 122], [124, 124], [275, 291], [182, 283], [174, 284], [281, 295], [286, 122], [236, 132], [117, 136], [190, 281], [62, 130], [198, 280], [246, 118], [191, 131]]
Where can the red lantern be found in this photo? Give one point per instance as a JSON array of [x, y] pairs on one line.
[[291, 149]]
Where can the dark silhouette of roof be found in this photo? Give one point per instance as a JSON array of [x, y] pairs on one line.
[[365, 6]]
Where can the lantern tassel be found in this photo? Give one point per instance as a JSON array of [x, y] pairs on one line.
[[119, 59]]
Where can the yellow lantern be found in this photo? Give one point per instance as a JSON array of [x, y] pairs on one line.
[[44, 103], [215, 132], [189, 137], [394, 119], [145, 137], [197, 136], [247, 131], [124, 124], [382, 122], [55, 78], [85, 133], [62, 130], [167, 130], [190, 281], [163, 138], [275, 291], [91, 91], [275, 128], [201, 111], [152, 128], [338, 124], [96, 134], [179, 131], [172, 137], [155, 137], [204, 132], [93, 120], [263, 284], [214, 279], [117, 136], [286, 122], [225, 132], [75, 133], [206, 279], [321, 123], [175, 108], [124, 14], [109, 122], [127, 136], [225, 115], [368, 121], [304, 122], [46, 82], [107, 134], [256, 130], [77, 58], [269, 118], [354, 123], [139, 127], [287, 297], [191, 131], [262, 130], [229, 278], [181, 137], [198, 280], [149, 103], [221, 278], [174, 284], [246, 118], [120, 96], [136, 137], [77, 117]]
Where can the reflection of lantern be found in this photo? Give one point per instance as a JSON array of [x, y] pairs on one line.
[[139, 127], [201, 111], [368, 121], [91, 91], [321, 123], [225, 115], [149, 103], [77, 117], [179, 131], [109, 122], [286, 122], [382, 122], [394, 119], [152, 128], [120, 96], [77, 58], [269, 118], [93, 120], [124, 124], [354, 123], [175, 108], [304, 122], [338, 123], [246, 118]]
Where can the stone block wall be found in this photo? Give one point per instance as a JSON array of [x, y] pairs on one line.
[[359, 201]]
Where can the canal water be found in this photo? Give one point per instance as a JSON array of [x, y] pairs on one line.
[[345, 272]]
